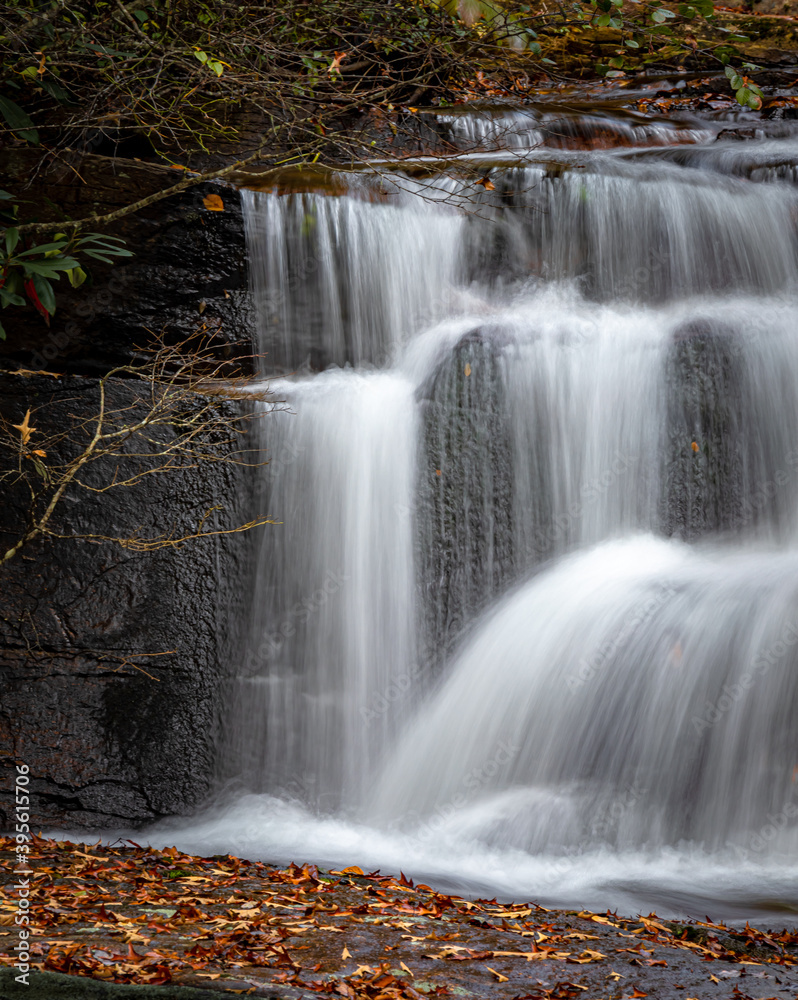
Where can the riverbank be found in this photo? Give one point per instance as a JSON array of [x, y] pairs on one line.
[[128, 914]]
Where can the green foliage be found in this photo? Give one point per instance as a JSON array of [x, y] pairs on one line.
[[27, 272], [175, 70], [180, 71], [745, 90], [17, 120]]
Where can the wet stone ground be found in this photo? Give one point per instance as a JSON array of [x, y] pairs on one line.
[[132, 915]]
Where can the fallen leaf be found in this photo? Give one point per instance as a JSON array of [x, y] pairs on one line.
[[467, 369], [25, 430], [498, 975], [335, 65], [213, 203], [346, 953]]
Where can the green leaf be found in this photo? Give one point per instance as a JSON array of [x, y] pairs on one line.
[[658, 16], [5, 196], [748, 99], [18, 121], [604, 20], [43, 248], [76, 276], [12, 238], [96, 255], [2, 332], [47, 270], [111, 251], [45, 292], [56, 90], [202, 56], [10, 298], [103, 236], [632, 43]]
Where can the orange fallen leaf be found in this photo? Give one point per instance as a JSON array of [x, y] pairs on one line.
[[335, 65], [498, 975], [694, 446], [25, 430], [346, 953], [213, 203], [351, 870], [467, 369]]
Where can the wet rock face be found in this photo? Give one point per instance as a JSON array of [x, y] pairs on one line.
[[465, 489], [112, 661], [189, 268], [704, 459]]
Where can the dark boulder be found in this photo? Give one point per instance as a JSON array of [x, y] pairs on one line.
[[112, 660], [465, 487], [704, 454], [189, 270]]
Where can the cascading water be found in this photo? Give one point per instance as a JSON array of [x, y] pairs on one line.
[[530, 624]]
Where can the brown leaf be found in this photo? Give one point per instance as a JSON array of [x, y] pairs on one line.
[[335, 65], [498, 975], [213, 203], [25, 430]]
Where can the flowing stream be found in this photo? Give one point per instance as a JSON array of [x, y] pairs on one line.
[[530, 624]]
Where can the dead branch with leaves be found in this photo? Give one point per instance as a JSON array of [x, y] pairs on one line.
[[173, 419]]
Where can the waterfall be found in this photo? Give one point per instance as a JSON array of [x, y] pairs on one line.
[[529, 623], [334, 611]]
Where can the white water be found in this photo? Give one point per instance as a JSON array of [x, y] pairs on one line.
[[530, 625]]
